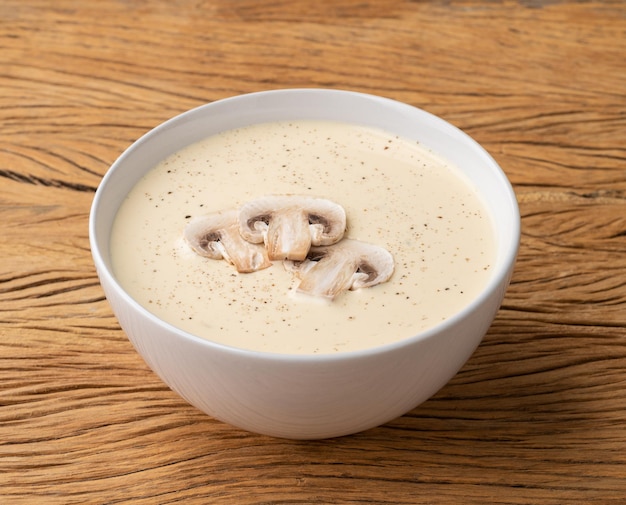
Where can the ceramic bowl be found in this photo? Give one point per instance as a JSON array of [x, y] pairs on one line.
[[307, 396]]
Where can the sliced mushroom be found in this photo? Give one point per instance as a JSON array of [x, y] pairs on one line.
[[347, 265], [217, 236], [289, 224]]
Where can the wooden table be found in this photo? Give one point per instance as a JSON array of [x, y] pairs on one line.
[[537, 415]]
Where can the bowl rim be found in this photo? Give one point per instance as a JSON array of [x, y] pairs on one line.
[[498, 279]]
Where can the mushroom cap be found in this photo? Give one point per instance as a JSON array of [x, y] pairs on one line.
[[347, 265], [290, 224], [216, 236]]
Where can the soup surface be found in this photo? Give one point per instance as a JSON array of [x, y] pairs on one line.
[[396, 194]]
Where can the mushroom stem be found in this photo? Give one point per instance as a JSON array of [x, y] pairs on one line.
[[244, 256], [328, 277], [287, 236]]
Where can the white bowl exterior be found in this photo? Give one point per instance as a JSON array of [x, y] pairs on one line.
[[307, 397]]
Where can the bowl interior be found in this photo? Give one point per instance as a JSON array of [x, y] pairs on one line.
[[395, 117]]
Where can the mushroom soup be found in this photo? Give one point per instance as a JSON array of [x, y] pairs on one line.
[[396, 196]]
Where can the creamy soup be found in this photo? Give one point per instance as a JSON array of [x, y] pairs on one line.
[[395, 193]]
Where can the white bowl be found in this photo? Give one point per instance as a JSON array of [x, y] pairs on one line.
[[307, 396]]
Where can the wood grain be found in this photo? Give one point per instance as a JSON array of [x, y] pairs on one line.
[[538, 414]]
